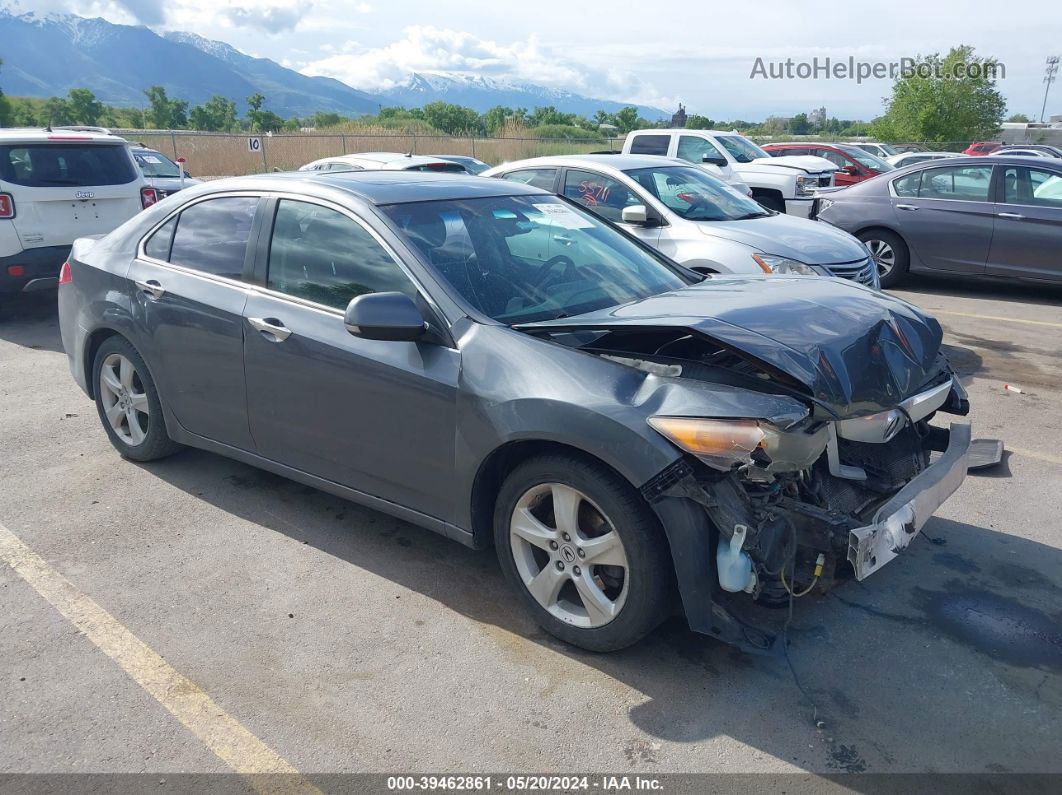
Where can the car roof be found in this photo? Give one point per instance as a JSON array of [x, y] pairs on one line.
[[683, 130], [617, 162], [984, 160], [382, 187], [39, 134]]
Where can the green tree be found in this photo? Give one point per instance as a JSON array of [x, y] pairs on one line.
[[799, 125], [6, 110], [497, 117], [165, 113], [1019, 118], [84, 107], [56, 110], [254, 109], [451, 118], [218, 114], [540, 117], [953, 98], [627, 120], [697, 122], [325, 119]]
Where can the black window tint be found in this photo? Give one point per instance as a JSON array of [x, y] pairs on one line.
[[1032, 186], [539, 177], [66, 165], [650, 144], [158, 245], [323, 256], [694, 149], [212, 236]]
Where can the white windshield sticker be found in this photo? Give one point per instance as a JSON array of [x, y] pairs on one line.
[[564, 216], [151, 159]]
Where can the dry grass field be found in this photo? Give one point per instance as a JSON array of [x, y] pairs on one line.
[[227, 154]]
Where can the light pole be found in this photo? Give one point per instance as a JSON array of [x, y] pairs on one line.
[[1050, 73]]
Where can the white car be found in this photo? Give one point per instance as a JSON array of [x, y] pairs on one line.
[[910, 158], [55, 186], [694, 218], [384, 161], [783, 184], [1022, 153], [884, 151]]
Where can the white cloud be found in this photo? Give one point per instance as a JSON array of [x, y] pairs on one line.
[[425, 48]]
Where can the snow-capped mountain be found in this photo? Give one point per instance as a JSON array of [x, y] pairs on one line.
[[47, 55]]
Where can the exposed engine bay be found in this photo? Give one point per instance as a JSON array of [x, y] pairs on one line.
[[797, 507]]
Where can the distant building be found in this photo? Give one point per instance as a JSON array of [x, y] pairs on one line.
[[678, 118]]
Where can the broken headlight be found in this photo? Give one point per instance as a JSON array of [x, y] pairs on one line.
[[772, 263], [724, 444]]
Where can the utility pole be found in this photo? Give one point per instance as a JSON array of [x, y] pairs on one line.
[[1050, 73]]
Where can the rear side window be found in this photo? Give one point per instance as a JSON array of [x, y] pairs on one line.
[[1032, 186], [957, 183], [158, 245], [52, 165], [448, 168], [323, 256], [212, 236], [600, 194], [538, 177], [650, 144]]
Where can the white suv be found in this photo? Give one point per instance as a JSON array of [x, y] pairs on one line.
[[56, 186]]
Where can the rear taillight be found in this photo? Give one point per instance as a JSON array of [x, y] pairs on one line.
[[65, 276], [148, 197], [7, 205], [16, 270]]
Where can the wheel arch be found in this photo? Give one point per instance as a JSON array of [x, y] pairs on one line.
[[93, 341]]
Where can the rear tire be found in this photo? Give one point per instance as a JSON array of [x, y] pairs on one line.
[[128, 402], [558, 514], [890, 253]]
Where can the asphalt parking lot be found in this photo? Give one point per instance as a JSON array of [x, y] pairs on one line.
[[345, 640]]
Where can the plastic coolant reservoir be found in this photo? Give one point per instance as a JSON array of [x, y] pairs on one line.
[[733, 563]]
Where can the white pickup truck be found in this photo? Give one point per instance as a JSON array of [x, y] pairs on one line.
[[784, 184]]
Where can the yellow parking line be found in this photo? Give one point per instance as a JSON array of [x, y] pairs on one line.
[[266, 770], [995, 317], [1051, 459]]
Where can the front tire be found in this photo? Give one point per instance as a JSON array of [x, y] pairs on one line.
[[128, 403], [890, 253], [584, 551]]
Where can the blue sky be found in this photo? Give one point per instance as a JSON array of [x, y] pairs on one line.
[[657, 53]]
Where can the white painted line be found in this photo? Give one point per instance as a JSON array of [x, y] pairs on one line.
[[266, 770], [1051, 459], [994, 317]]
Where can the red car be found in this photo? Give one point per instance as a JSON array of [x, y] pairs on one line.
[[854, 165], [981, 148]]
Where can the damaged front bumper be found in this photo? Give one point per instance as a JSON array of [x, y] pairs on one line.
[[900, 519]]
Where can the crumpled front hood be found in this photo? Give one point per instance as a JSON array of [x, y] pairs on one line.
[[806, 241], [856, 350]]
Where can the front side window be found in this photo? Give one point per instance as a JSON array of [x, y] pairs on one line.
[[539, 177], [695, 195], [322, 255], [600, 194], [650, 144], [693, 149], [520, 259], [741, 148], [51, 165], [212, 235], [1032, 186]]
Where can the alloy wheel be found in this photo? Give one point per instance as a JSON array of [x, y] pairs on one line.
[[884, 256], [569, 555], [125, 401]]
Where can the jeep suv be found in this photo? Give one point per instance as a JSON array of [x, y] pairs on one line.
[[56, 186]]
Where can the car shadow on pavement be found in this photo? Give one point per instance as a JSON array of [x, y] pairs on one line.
[[950, 659], [1008, 291], [32, 321]]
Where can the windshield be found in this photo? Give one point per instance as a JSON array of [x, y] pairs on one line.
[[695, 195], [866, 159], [520, 259], [154, 164], [46, 165], [741, 148]]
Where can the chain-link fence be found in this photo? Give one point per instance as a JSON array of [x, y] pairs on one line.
[[227, 154]]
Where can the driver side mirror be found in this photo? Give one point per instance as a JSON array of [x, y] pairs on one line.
[[852, 171], [640, 215], [392, 317], [713, 160]]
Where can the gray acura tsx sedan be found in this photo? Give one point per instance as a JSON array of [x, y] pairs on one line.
[[492, 362]]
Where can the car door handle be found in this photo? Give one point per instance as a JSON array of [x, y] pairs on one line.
[[151, 287], [271, 328], [1015, 216], [906, 207]]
